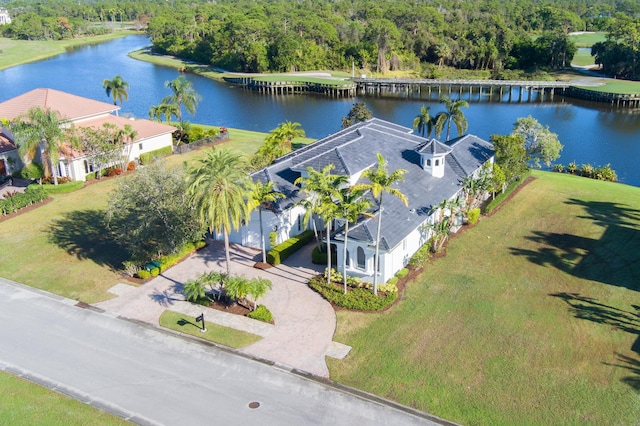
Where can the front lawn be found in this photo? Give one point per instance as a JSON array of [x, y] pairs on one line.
[[532, 317], [63, 247]]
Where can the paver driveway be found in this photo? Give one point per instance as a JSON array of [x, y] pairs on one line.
[[304, 321]]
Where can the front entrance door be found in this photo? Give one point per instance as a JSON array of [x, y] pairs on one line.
[[3, 167]]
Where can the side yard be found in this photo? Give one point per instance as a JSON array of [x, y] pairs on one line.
[[532, 317], [62, 246]]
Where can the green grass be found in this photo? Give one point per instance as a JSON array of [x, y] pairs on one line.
[[215, 333], [588, 39], [583, 58], [25, 403], [17, 52], [63, 247], [529, 319], [615, 86]]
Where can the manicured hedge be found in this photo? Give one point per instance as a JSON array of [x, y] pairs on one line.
[[33, 194], [356, 298], [64, 188], [148, 157], [279, 253], [501, 197], [261, 313], [167, 261]]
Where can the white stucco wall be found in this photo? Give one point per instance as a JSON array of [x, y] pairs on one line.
[[287, 224]]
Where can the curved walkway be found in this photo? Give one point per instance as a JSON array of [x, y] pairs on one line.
[[304, 321]]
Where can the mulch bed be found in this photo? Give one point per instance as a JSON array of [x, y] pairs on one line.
[[232, 308]]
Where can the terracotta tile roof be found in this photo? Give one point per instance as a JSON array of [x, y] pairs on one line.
[[70, 107], [145, 128]]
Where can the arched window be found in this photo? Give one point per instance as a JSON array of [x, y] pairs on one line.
[[361, 258]]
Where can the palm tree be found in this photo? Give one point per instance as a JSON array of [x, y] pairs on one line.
[[183, 94], [380, 182], [40, 129], [453, 113], [423, 121], [218, 194], [116, 88], [350, 208], [258, 288], [279, 139], [164, 109], [260, 195], [325, 188]]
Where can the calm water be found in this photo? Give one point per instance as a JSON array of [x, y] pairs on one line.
[[591, 134]]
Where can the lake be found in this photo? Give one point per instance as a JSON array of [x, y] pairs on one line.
[[590, 133]]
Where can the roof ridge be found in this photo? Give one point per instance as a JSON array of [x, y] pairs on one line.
[[453, 156], [344, 164]]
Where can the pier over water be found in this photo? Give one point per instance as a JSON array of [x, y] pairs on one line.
[[432, 90]]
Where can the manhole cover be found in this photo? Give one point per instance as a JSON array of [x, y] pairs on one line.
[[254, 404]]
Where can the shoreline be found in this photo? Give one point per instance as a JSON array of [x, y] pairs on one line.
[[595, 84], [20, 52]]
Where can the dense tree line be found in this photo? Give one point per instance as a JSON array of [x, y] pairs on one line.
[[619, 55], [375, 35]]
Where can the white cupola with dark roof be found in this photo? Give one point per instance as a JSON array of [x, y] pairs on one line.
[[432, 157]]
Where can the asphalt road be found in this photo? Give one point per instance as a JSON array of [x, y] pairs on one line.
[[154, 377]]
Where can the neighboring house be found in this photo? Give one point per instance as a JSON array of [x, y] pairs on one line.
[[9, 158], [434, 173], [4, 17], [84, 112]]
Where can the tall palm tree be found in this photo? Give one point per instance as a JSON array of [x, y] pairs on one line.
[[423, 121], [217, 192], [260, 195], [116, 88], [324, 187], [39, 129], [350, 207], [183, 95], [453, 113], [381, 182]]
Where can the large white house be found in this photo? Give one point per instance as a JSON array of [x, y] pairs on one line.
[[81, 112], [435, 171]]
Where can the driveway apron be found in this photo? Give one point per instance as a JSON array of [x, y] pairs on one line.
[[304, 321]]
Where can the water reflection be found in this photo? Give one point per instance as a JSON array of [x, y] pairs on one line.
[[591, 133]]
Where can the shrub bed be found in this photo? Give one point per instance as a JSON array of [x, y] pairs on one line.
[[261, 313], [356, 298], [279, 253], [501, 197], [163, 262], [33, 194], [149, 157]]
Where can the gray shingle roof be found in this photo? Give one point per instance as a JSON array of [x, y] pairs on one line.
[[354, 149]]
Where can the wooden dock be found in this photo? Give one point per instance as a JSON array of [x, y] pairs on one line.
[[283, 87], [433, 90], [470, 90]]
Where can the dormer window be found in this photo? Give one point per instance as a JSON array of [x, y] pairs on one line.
[[437, 162], [429, 162]]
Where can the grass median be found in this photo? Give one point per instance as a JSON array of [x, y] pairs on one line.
[[214, 333], [531, 318]]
